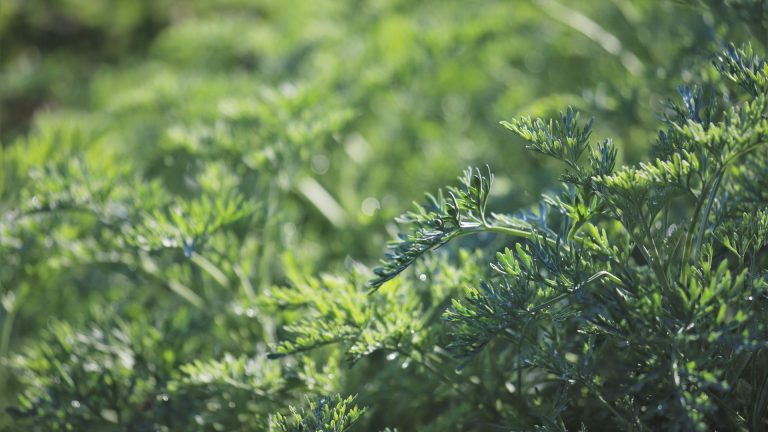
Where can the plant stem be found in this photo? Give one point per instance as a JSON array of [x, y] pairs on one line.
[[267, 250]]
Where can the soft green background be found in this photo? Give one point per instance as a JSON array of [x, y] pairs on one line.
[[153, 148]]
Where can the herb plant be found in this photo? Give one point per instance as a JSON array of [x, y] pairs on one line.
[[193, 195], [634, 297]]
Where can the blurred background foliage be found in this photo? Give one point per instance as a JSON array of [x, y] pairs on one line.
[[172, 171]]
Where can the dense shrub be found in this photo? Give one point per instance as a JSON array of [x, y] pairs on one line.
[[193, 195]]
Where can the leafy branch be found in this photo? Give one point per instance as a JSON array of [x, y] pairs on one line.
[[327, 414]]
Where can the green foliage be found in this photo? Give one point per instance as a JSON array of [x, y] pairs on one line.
[[121, 375], [193, 193], [442, 218], [562, 140], [101, 378], [646, 310], [327, 414], [341, 314]]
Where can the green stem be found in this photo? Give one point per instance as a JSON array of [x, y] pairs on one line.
[[515, 232], [698, 225], [707, 209], [529, 235], [689, 241], [265, 261], [5, 336], [562, 296], [619, 416]]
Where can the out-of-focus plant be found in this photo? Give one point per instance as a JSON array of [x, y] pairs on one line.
[[189, 186]]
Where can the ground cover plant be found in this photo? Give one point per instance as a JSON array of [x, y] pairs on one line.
[[194, 197], [633, 297]]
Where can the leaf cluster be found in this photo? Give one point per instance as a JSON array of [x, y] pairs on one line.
[[635, 297]]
